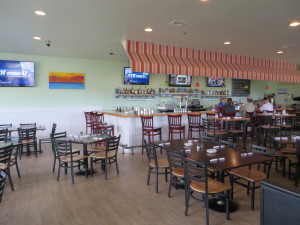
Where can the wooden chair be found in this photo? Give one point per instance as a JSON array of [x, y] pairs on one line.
[[266, 128], [251, 124], [252, 176], [5, 157], [99, 124], [56, 156], [294, 161], [2, 183], [47, 139], [7, 126], [88, 121], [212, 128], [238, 129], [175, 126], [107, 157], [101, 145], [194, 124], [155, 165], [197, 182], [148, 130], [290, 110], [231, 114], [67, 158], [176, 163], [27, 137]]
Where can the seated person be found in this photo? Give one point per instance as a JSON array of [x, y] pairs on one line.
[[228, 109], [267, 106], [248, 107], [221, 104]]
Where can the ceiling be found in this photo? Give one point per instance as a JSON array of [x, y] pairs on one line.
[[94, 28]]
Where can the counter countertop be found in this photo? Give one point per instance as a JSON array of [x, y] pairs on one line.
[[156, 113]]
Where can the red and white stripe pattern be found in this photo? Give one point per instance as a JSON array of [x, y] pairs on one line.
[[164, 59]]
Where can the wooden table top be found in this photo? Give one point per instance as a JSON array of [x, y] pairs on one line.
[[230, 119], [233, 159]]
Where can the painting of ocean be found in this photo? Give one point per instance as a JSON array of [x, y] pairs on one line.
[[63, 80]]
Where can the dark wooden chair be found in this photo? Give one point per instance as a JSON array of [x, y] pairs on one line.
[[266, 128], [2, 183], [231, 114], [198, 182], [176, 163], [175, 126], [27, 138], [67, 159], [252, 176], [107, 157], [194, 124], [149, 131], [56, 156], [212, 128], [294, 161], [47, 139], [101, 145], [5, 157], [155, 165]]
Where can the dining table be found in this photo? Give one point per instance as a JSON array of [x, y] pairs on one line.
[[222, 159], [84, 140], [227, 119]]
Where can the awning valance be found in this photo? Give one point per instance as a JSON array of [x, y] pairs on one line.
[[157, 58]]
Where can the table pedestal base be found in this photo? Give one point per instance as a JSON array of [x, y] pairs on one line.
[[82, 172], [219, 205]]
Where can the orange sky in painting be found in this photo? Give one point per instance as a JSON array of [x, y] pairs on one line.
[[66, 77]]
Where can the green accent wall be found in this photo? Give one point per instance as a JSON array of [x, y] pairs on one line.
[[101, 79]]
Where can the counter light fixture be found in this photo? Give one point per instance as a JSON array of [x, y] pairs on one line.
[[267, 87], [166, 83]]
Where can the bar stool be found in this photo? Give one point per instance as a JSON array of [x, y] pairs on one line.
[[175, 126], [88, 121], [149, 130], [99, 124], [194, 124]]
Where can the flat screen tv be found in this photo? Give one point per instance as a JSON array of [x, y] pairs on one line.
[[132, 78], [180, 80], [215, 82], [16, 73]]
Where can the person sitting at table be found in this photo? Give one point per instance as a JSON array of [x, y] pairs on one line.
[[229, 109], [221, 104], [267, 106], [248, 107]]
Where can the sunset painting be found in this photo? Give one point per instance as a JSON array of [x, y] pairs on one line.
[[62, 80]]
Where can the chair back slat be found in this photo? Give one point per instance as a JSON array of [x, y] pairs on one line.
[[27, 133], [3, 134], [147, 122], [5, 154], [63, 148], [151, 152], [57, 135], [2, 183], [194, 119], [112, 143], [174, 120], [195, 171], [176, 158]]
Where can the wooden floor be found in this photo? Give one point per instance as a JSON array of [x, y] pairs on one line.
[[125, 199]]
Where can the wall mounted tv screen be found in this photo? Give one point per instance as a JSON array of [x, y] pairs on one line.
[[215, 82], [16, 73], [132, 78], [180, 80]]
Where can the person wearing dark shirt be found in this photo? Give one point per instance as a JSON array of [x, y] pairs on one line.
[[228, 109]]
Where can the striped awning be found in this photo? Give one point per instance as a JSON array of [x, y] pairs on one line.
[[164, 59]]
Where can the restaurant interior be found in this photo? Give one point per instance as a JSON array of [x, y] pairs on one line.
[[113, 112]]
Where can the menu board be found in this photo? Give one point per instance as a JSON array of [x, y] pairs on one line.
[[240, 87]]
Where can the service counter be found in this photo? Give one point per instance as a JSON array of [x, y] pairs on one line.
[[130, 126]]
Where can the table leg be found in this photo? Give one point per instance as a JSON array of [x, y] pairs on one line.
[[82, 172]]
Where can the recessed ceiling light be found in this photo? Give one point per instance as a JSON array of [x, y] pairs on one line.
[[148, 29], [279, 52], [227, 43], [37, 38], [295, 24], [40, 13], [204, 0]]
